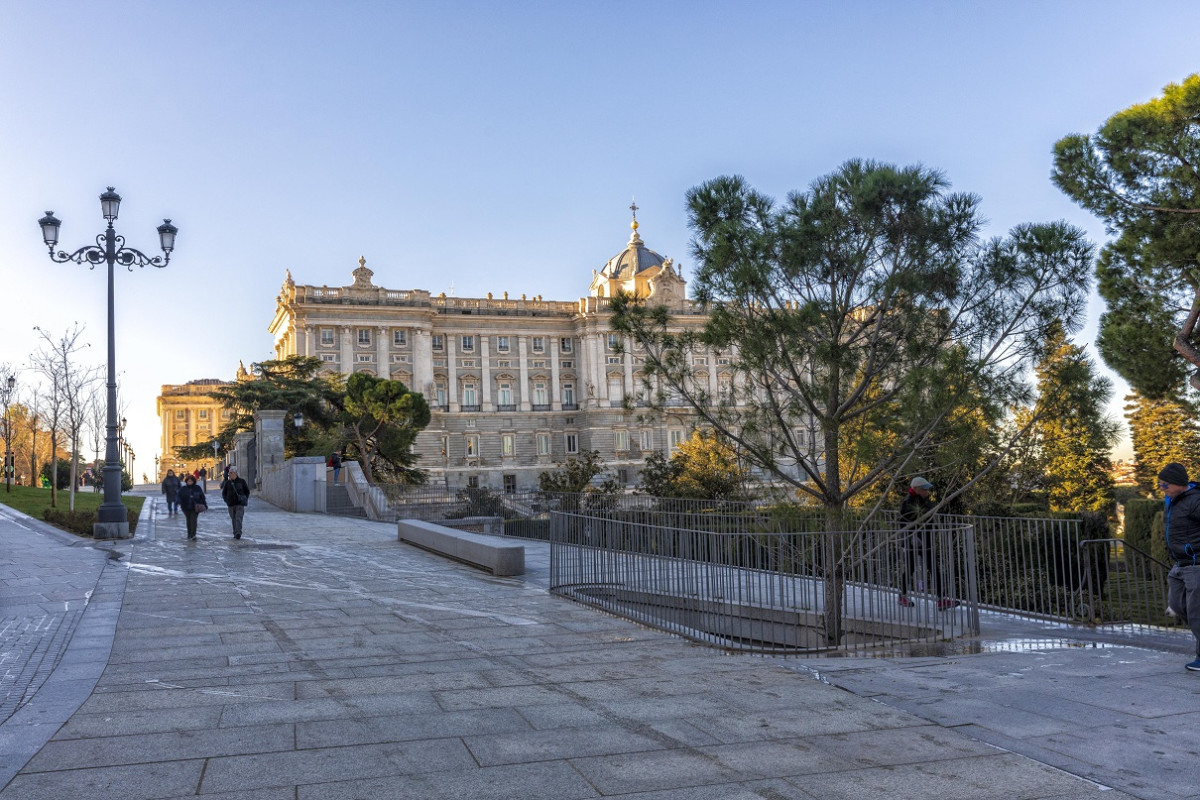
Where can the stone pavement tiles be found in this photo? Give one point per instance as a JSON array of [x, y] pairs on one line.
[[59, 599], [319, 658], [1121, 716]]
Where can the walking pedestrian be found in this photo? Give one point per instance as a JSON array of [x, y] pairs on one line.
[[204, 477], [192, 503], [236, 494], [335, 461], [921, 544], [170, 487], [1182, 529]]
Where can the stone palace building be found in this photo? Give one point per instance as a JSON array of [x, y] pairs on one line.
[[516, 386], [189, 416]]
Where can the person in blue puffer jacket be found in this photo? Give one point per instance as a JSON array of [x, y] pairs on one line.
[[1182, 529]]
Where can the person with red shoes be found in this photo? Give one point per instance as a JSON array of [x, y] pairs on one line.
[[920, 545]]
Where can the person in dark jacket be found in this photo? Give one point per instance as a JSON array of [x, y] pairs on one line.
[[335, 462], [921, 544], [236, 494], [170, 487], [1182, 529], [191, 503]]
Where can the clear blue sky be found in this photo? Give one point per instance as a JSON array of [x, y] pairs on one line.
[[495, 146]]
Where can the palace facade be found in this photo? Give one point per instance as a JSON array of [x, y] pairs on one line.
[[189, 416], [516, 386]]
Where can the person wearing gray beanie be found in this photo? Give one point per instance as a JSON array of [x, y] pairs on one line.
[[1182, 529]]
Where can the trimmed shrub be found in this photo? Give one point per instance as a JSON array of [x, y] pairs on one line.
[[1140, 529], [81, 522]]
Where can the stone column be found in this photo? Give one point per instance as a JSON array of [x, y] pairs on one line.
[[602, 360], [382, 348], [423, 363], [523, 363], [592, 375], [451, 374], [347, 354], [486, 363], [308, 341], [268, 436], [555, 398], [630, 389], [713, 387]]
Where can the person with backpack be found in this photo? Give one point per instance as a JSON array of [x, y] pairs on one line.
[[335, 461], [236, 494], [192, 503]]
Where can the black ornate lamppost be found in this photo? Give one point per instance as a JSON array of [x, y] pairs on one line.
[[112, 520], [10, 467]]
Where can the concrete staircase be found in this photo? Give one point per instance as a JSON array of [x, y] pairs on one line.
[[337, 501]]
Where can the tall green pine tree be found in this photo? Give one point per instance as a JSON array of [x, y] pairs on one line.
[[1162, 431], [1074, 435]]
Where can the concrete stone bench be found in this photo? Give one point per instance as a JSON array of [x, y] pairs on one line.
[[487, 552]]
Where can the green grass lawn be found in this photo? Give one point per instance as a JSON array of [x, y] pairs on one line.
[[34, 501]]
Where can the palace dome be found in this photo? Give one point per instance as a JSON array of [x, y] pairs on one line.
[[635, 258]]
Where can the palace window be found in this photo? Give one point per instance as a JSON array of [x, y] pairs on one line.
[[468, 344], [400, 337], [614, 341], [564, 344], [675, 438], [647, 441], [438, 341], [539, 344], [621, 441], [566, 365], [543, 444], [537, 364], [613, 360], [329, 358], [364, 358], [467, 363], [503, 364], [472, 445], [508, 444], [571, 441], [439, 391], [364, 336], [204, 413], [539, 393], [505, 395], [180, 414], [568, 394], [502, 344], [616, 388], [327, 337], [470, 395]]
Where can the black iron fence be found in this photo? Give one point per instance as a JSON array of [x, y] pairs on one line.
[[779, 556]]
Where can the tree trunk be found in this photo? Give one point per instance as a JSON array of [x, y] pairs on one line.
[[53, 470], [833, 563]]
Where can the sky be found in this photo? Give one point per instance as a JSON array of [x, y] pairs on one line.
[[474, 147]]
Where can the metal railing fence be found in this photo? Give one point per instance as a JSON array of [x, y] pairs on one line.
[[1045, 569], [793, 592]]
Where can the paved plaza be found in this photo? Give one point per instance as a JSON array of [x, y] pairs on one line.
[[318, 658]]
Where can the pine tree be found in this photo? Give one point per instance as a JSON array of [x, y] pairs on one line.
[[1162, 431], [1074, 435]]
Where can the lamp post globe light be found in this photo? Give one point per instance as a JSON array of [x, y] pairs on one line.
[[112, 519]]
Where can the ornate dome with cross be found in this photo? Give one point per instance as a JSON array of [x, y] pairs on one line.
[[640, 271]]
